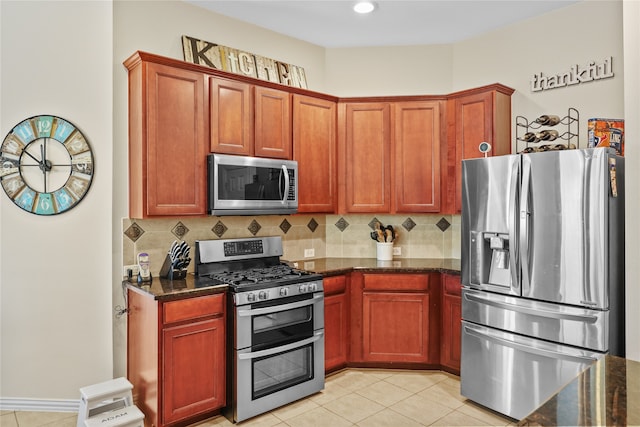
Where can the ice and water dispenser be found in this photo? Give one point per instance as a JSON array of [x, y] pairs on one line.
[[489, 259]]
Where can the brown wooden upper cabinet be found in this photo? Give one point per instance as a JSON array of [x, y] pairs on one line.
[[249, 120], [475, 116], [272, 123], [168, 140], [391, 156], [314, 148], [231, 122], [417, 156], [366, 157]]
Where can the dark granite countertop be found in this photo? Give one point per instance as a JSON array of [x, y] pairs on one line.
[[167, 290], [605, 394], [335, 266]]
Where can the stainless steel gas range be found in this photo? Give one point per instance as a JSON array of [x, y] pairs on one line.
[[275, 333]]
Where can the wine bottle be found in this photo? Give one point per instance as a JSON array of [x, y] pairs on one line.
[[547, 135], [546, 120], [529, 137]]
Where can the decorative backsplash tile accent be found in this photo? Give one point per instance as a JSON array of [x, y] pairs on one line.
[[372, 224], [134, 232], [285, 226], [342, 224], [350, 237], [180, 230], [443, 224], [254, 227], [219, 229], [408, 224]]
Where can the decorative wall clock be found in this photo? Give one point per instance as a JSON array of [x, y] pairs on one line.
[[46, 165]]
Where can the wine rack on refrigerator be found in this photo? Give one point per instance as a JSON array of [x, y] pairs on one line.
[[548, 132]]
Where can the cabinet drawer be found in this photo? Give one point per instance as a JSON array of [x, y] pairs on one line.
[[193, 308], [396, 282], [334, 285]]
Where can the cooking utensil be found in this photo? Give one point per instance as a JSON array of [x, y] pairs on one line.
[[390, 233]]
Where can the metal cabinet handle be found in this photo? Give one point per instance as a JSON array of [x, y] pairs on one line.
[[530, 349], [540, 312], [269, 352], [283, 307]]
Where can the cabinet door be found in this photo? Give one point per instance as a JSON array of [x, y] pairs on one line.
[[417, 157], [395, 327], [367, 168], [231, 117], [336, 311], [451, 323], [480, 117], [193, 369], [176, 144], [272, 123], [314, 148]]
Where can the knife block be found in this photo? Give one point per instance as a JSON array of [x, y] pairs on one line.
[[168, 272]]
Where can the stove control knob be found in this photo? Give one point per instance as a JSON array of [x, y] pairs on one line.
[[303, 288], [251, 297], [263, 295], [284, 292], [313, 287]]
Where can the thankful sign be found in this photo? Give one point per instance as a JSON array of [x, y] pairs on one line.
[[239, 62], [575, 75]]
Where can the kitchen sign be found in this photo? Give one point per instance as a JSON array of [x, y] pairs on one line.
[[577, 74], [244, 63]]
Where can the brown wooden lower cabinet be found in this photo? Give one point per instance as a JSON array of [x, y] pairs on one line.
[[451, 323], [176, 357], [395, 318], [336, 314]]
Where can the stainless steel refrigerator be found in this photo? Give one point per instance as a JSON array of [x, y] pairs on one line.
[[542, 273]]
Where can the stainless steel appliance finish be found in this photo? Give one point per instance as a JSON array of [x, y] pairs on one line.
[[276, 323], [542, 273], [242, 185]]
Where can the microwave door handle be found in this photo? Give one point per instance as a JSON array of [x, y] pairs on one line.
[[285, 172]]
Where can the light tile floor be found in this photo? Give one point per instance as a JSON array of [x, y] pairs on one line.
[[353, 397]]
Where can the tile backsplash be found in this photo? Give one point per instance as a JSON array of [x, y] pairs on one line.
[[348, 236]]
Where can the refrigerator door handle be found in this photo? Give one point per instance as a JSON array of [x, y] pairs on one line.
[[535, 311], [524, 221], [512, 215], [529, 349]]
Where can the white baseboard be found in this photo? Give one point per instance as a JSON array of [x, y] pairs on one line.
[[39, 405]]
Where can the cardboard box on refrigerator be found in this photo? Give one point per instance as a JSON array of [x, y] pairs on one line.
[[606, 133]]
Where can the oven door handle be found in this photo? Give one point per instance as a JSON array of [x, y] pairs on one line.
[[271, 351], [283, 307]]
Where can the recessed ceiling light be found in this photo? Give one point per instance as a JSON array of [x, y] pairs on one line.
[[364, 7]]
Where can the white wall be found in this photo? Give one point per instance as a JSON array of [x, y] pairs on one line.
[[551, 44], [55, 271], [388, 71]]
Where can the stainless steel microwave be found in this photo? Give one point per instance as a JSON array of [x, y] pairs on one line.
[[241, 185]]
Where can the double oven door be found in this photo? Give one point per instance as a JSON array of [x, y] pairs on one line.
[[278, 353]]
